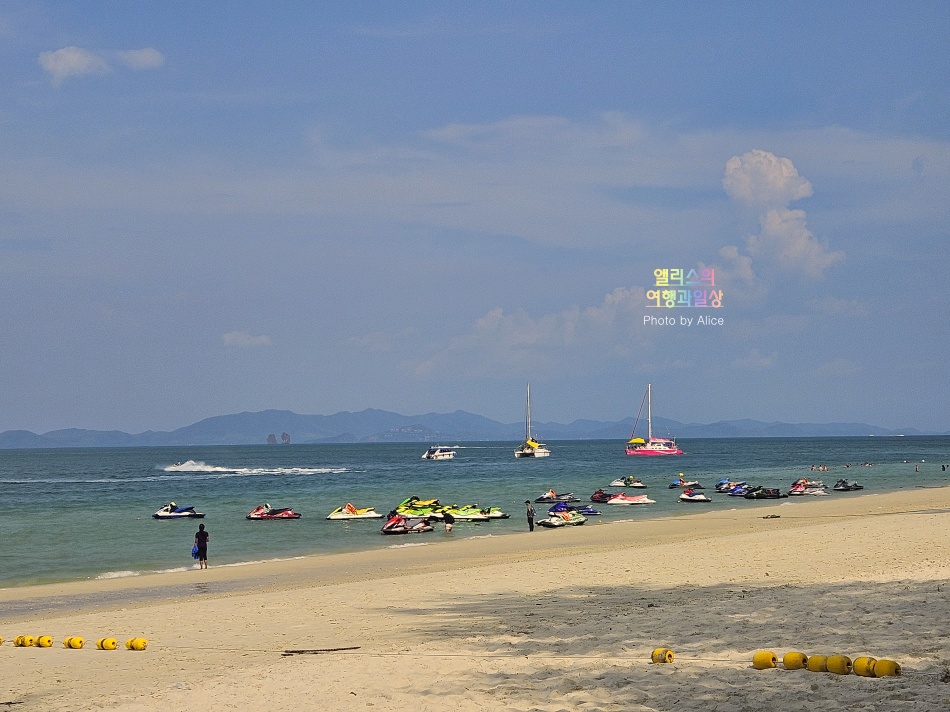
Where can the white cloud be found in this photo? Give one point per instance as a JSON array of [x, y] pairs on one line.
[[767, 184], [146, 58], [755, 361], [72, 62], [244, 340], [517, 343]]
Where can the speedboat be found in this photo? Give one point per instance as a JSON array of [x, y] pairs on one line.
[[765, 493], [437, 452], [691, 495], [399, 524], [847, 486], [586, 510], [652, 445], [531, 447], [173, 511], [628, 481], [552, 496], [563, 519], [348, 511], [682, 482], [622, 498], [602, 497], [265, 511]]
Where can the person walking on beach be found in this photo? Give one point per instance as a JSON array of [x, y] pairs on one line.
[[530, 513], [201, 541]]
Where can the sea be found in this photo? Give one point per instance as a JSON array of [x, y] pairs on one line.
[[86, 513]]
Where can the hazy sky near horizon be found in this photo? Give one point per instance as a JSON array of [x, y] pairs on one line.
[[209, 208]]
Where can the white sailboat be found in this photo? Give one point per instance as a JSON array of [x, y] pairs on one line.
[[652, 445], [530, 447]]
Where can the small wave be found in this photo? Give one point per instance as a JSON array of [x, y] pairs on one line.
[[118, 574], [403, 546]]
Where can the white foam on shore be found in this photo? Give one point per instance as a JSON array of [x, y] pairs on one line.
[[403, 546]]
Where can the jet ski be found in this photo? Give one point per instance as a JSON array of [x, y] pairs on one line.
[[495, 513], [602, 497], [741, 490], [265, 511], [765, 493], [847, 486], [628, 481], [173, 511], [463, 513], [415, 507], [691, 495], [681, 482], [349, 511], [563, 519], [586, 510], [552, 496], [622, 498], [805, 486], [399, 524], [726, 484]]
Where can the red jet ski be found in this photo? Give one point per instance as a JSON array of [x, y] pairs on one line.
[[265, 511]]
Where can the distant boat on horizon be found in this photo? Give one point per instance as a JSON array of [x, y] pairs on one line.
[[650, 446], [531, 447]]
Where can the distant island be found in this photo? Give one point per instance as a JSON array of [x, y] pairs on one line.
[[376, 426]]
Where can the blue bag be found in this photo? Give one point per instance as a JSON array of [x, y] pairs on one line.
[[194, 552]]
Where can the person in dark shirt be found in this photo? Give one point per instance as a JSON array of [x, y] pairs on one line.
[[449, 520], [201, 541], [530, 512]]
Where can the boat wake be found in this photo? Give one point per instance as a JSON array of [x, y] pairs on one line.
[[198, 466]]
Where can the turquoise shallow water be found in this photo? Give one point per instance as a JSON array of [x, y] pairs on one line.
[[86, 513]]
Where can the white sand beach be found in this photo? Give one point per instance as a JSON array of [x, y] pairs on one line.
[[552, 620]]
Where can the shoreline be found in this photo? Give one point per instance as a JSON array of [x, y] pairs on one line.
[[550, 620]]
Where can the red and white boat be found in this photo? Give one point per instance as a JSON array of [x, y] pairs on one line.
[[623, 498], [652, 445], [265, 511]]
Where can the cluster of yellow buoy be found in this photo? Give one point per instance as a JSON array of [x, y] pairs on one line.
[[76, 642], [794, 660], [836, 664]]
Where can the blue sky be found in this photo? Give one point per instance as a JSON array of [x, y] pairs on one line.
[[221, 207]]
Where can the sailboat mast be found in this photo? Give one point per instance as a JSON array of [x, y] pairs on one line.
[[527, 413], [649, 412]]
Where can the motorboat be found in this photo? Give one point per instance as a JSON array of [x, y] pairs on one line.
[[804, 486], [602, 497], [652, 445], [399, 524], [691, 495], [847, 486], [682, 482], [437, 452], [628, 481], [265, 511], [552, 496], [174, 511], [349, 511], [563, 519], [765, 493], [586, 510], [531, 447], [623, 498]]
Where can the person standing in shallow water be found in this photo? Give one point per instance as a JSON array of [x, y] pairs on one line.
[[529, 510], [201, 541]]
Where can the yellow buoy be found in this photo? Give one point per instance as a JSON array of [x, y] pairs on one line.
[[817, 663], [764, 659], [863, 666], [794, 660], [74, 642], [136, 643], [107, 644], [886, 668], [662, 655], [24, 641], [839, 664], [44, 641]]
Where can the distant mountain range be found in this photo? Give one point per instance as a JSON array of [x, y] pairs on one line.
[[382, 426]]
